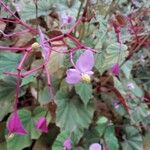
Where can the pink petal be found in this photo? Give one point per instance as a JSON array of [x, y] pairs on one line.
[[67, 144], [44, 46], [42, 124], [73, 76], [14, 125], [85, 62], [95, 146], [115, 69]]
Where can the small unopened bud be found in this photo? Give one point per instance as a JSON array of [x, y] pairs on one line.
[[35, 46], [86, 78]]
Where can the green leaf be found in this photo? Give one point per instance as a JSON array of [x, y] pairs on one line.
[[139, 112], [102, 120], [28, 119], [5, 107], [136, 90], [126, 68], [74, 135], [56, 61], [111, 139], [110, 56], [133, 139], [93, 134], [119, 86], [44, 96], [84, 91], [71, 112], [27, 80], [28, 10], [58, 144], [8, 62], [7, 88]]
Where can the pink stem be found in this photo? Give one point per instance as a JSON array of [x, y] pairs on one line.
[[78, 43], [8, 20], [21, 22], [22, 60], [32, 71], [49, 83], [17, 90], [14, 34], [12, 48], [75, 25], [55, 38]]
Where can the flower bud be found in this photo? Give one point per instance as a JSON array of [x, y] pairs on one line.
[[35, 46]]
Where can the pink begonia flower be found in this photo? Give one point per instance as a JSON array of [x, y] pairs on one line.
[[83, 68], [95, 146], [45, 46], [42, 124], [14, 125], [67, 144], [115, 69]]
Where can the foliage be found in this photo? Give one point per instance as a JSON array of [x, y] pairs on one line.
[[109, 109]]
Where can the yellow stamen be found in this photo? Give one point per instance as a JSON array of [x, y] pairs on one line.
[[86, 78]]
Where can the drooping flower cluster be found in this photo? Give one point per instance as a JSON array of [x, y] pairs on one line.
[[82, 70]]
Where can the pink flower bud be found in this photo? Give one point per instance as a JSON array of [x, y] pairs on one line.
[[42, 124], [115, 69], [14, 125], [67, 144]]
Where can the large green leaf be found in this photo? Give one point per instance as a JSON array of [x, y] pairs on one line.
[[7, 88], [132, 140], [85, 92], [28, 10], [110, 139], [71, 112], [110, 56], [56, 61], [8, 62], [139, 112], [5, 107], [19, 142]]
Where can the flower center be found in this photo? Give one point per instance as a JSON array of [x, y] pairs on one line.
[[86, 78]]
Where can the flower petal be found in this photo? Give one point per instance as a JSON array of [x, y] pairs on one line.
[[14, 125], [95, 146], [67, 144], [85, 62], [44, 46], [42, 124], [73, 76]]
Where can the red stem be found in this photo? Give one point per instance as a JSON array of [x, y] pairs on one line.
[[21, 22], [12, 48]]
